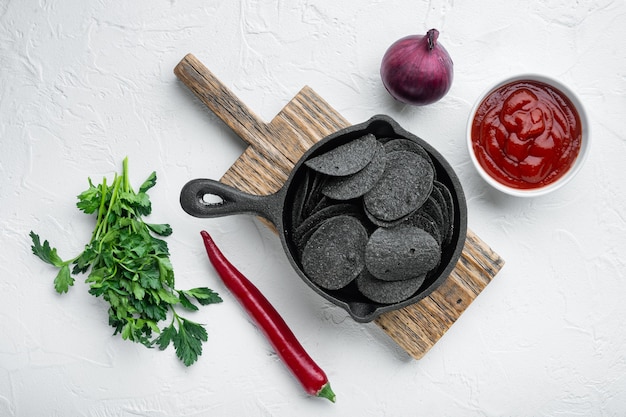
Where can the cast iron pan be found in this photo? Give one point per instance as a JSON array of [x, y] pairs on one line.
[[277, 209]]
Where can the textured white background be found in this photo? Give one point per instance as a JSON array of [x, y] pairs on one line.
[[84, 83]]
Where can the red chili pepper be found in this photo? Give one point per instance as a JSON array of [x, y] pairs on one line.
[[310, 375]]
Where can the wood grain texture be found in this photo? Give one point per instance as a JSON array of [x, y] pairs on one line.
[[275, 147]]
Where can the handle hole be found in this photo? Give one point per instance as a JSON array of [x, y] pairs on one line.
[[211, 200]]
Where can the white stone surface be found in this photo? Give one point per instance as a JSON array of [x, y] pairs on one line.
[[84, 83]]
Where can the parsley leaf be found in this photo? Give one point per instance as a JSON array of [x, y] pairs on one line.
[[185, 302], [89, 200], [188, 341], [148, 183], [128, 265], [166, 336], [63, 280], [45, 252], [204, 296], [160, 229]]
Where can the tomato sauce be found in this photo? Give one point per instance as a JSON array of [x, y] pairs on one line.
[[526, 134]]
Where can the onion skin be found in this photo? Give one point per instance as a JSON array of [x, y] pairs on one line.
[[417, 70]]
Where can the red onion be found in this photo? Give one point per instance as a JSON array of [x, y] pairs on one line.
[[417, 70]]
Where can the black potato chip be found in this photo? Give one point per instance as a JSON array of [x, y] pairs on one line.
[[426, 223], [448, 205], [384, 223], [314, 198], [404, 186], [357, 184], [346, 159], [299, 200], [311, 223], [387, 292], [434, 211], [334, 254], [408, 145], [401, 252]]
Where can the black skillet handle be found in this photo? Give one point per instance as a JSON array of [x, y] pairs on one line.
[[193, 199]]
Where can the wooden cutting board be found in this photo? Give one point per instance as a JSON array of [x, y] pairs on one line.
[[275, 147]]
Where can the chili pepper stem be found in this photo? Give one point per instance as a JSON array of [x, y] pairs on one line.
[[327, 392]]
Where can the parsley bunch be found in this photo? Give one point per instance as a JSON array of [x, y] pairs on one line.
[[130, 268]]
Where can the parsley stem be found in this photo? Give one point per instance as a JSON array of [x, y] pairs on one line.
[[126, 186], [102, 227], [103, 197]]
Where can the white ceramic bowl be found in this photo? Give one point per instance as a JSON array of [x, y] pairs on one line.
[[573, 170]]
